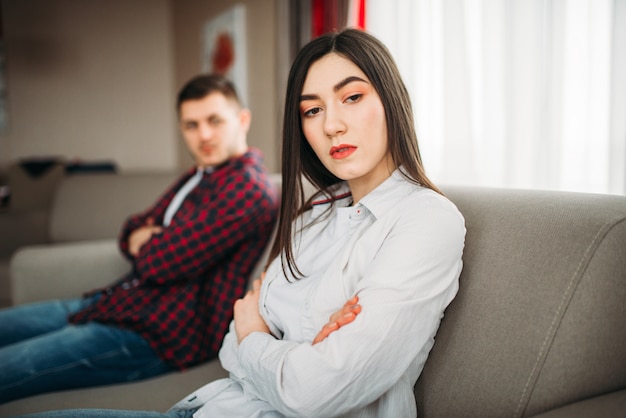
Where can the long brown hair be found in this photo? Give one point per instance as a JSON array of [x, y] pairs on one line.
[[298, 159]]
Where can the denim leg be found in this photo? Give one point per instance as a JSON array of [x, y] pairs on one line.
[[76, 356], [109, 413], [21, 322]]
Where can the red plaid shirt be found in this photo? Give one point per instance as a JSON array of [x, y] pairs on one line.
[[180, 294]]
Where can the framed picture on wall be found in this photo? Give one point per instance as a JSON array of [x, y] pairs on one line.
[[224, 47]]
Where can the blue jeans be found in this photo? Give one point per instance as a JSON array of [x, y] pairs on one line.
[[41, 352]]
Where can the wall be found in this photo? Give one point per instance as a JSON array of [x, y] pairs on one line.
[[97, 79], [90, 79], [264, 94]]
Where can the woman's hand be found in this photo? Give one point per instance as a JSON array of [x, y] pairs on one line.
[[247, 316], [344, 316]]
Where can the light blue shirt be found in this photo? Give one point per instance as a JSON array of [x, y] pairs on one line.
[[400, 250]]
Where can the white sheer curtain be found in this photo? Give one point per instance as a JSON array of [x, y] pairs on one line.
[[514, 93]]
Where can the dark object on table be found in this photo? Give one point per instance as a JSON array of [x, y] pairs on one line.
[[90, 167]]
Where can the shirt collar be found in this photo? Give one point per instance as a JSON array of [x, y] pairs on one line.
[[387, 195], [338, 192], [378, 201], [252, 156], [205, 170]]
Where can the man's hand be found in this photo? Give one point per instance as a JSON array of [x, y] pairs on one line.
[[141, 235], [247, 316], [344, 316]]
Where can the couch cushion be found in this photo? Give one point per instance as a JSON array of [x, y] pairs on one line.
[[64, 270], [34, 191], [539, 318], [610, 405]]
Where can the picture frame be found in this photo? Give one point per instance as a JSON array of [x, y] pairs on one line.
[[224, 48]]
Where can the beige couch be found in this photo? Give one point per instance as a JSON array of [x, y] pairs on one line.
[[24, 219], [537, 329], [87, 213]]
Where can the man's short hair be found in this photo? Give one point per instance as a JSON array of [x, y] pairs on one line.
[[201, 86]]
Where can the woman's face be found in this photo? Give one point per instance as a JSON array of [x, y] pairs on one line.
[[343, 120]]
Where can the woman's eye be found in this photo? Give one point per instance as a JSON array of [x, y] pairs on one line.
[[353, 98], [312, 112]]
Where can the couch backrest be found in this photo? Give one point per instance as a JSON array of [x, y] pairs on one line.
[[539, 319], [34, 190], [94, 206]]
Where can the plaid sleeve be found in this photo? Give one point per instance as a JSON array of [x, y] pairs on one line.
[[156, 212], [226, 213]]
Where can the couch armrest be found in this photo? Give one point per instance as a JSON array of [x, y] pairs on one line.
[[610, 405], [64, 270]]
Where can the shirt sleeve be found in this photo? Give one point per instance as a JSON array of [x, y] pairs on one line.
[[214, 230], [156, 212], [404, 292]]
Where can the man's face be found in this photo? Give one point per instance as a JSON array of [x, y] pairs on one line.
[[214, 129]]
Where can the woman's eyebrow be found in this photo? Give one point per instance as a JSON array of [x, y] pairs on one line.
[[304, 97], [347, 81], [336, 87]]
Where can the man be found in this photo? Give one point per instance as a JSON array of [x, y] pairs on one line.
[[192, 254]]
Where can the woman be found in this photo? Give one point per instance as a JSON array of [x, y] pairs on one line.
[[378, 250]]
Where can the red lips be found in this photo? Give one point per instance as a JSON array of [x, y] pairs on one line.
[[342, 151]]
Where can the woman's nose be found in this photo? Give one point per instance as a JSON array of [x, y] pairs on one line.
[[333, 123]]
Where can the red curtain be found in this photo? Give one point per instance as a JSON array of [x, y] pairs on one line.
[[328, 15], [360, 15]]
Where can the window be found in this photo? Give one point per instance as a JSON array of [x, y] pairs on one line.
[[508, 93]]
